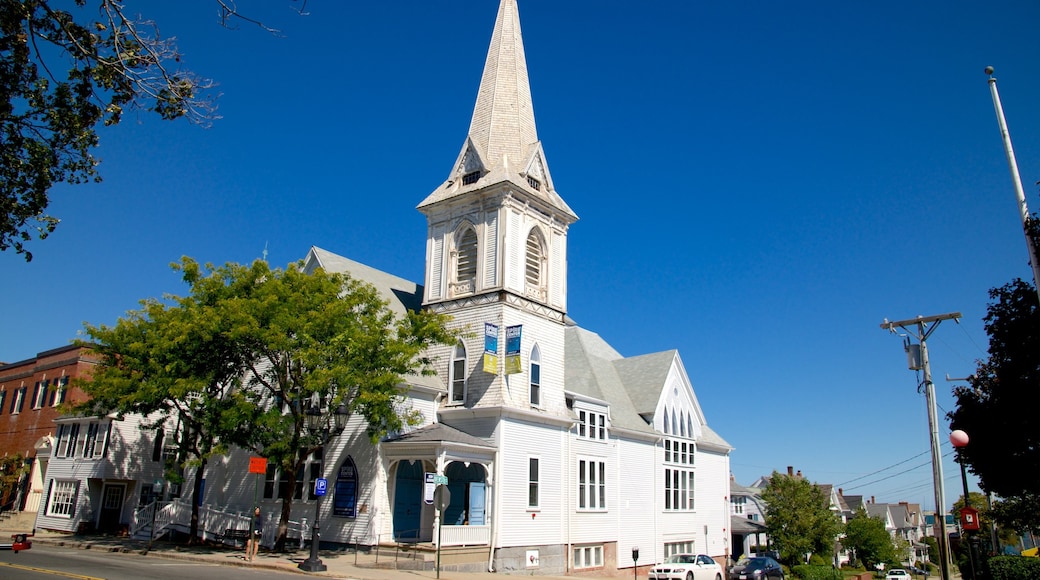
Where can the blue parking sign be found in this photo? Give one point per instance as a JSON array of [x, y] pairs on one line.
[[321, 485]]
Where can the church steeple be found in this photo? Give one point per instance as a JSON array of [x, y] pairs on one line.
[[502, 128], [502, 144]]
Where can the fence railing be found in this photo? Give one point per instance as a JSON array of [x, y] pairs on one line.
[[464, 535]]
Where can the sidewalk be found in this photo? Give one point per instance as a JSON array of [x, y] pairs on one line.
[[341, 564]]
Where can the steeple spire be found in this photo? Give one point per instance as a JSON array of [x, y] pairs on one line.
[[502, 128], [502, 145]]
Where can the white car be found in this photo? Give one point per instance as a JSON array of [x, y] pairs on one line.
[[897, 574], [687, 567]]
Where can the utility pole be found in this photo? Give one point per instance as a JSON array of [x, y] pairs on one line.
[[917, 359], [1016, 179]]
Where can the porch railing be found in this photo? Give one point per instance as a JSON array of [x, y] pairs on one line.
[[464, 535]]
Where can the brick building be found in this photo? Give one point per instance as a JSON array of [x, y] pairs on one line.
[[30, 394]]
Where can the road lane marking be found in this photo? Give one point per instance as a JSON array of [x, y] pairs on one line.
[[46, 571]]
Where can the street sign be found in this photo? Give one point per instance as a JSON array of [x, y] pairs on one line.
[[321, 486], [440, 480], [441, 497], [257, 465]]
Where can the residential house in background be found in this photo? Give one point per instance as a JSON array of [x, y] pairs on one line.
[[747, 520], [30, 393]]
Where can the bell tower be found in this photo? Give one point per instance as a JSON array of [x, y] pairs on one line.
[[496, 249]]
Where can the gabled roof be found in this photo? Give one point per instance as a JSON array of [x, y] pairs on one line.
[[439, 433], [502, 144], [400, 294], [632, 386]]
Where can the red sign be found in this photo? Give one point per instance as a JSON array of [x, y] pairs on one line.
[[969, 518], [257, 465]]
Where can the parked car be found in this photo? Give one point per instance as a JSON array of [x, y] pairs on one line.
[[897, 574], [687, 567], [757, 568]]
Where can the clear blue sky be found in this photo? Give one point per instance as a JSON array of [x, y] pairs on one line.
[[759, 185]]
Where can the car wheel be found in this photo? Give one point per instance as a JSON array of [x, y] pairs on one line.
[[689, 575], [718, 577]]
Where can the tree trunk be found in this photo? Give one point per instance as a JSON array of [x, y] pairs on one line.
[[196, 500], [283, 521]]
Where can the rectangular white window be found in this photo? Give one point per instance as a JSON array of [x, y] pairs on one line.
[[18, 402], [94, 442], [63, 440], [678, 548], [738, 504], [77, 442], [62, 501], [588, 556], [678, 451], [678, 490], [40, 394], [592, 485], [58, 394], [592, 425], [532, 482]]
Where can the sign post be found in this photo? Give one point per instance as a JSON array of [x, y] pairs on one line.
[[441, 500], [257, 466]]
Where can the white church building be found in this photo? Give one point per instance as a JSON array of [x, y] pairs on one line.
[[561, 455]]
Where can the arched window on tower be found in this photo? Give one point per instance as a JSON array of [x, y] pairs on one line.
[[466, 262], [534, 266], [536, 377], [457, 372]]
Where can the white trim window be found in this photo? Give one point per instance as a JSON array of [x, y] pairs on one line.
[[457, 374], [19, 401], [592, 485], [535, 389], [40, 394], [739, 501], [62, 498], [592, 425], [61, 387], [672, 548], [533, 480], [588, 556], [678, 489], [678, 451]]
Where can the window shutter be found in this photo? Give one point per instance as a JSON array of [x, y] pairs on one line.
[[21, 400], [47, 498], [36, 392], [104, 445], [75, 496]]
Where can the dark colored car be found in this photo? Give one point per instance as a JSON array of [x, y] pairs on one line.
[[757, 568]]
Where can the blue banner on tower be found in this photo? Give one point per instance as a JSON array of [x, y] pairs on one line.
[[490, 348], [513, 349]]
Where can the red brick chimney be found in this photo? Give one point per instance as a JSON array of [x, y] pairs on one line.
[[790, 471]]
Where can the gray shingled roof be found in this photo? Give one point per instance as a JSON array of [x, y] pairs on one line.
[[437, 433], [591, 371]]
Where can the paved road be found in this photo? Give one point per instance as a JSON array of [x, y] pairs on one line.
[[45, 562]]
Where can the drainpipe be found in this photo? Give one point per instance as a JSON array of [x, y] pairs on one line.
[[494, 507]]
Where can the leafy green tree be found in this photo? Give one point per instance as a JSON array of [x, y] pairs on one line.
[[12, 469], [798, 518], [252, 349], [997, 408], [868, 538], [171, 362]]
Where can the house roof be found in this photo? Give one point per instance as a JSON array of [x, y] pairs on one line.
[[439, 433]]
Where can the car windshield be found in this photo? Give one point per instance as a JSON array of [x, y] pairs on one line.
[[681, 559], [756, 563]]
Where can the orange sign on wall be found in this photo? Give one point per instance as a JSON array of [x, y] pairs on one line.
[[257, 465]]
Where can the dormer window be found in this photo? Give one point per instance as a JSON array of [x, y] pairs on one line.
[[471, 178], [534, 183]]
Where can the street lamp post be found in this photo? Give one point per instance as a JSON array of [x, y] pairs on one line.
[[316, 424], [959, 439]]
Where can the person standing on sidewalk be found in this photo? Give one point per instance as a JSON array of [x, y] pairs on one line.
[[256, 529]]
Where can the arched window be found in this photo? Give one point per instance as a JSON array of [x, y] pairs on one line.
[[536, 376], [457, 373], [682, 425], [466, 265], [675, 431], [689, 425], [534, 273], [666, 420], [345, 503]]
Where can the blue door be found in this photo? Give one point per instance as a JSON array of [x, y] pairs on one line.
[[476, 503], [408, 501]]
